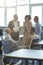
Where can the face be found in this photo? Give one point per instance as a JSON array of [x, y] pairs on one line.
[[36, 19], [26, 19], [15, 17]]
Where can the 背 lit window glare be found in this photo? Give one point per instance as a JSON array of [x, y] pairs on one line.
[[20, 7]]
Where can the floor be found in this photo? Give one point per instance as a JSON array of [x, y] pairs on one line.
[[35, 63]]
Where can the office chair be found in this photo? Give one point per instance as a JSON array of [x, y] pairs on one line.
[[1, 33], [7, 48], [33, 42]]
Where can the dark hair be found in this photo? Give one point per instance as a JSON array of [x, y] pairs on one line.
[[33, 29], [36, 17], [28, 16]]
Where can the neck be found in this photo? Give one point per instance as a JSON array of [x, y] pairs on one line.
[[15, 20]]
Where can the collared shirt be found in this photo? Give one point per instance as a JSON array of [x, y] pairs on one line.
[[38, 29], [16, 27]]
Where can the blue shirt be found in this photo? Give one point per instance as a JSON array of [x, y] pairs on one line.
[[38, 29]]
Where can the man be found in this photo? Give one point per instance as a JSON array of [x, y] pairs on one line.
[[38, 29], [14, 26]]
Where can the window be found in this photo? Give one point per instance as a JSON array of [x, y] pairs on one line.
[[37, 11], [22, 11], [10, 2], [22, 2], [1, 2], [36, 1], [21, 7], [2, 17], [10, 13]]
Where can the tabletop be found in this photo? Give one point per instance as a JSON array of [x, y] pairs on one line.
[[26, 54]]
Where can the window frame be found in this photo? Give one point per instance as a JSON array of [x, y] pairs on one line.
[[30, 8]]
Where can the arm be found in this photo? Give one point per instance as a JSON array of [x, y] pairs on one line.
[[11, 25], [9, 38], [38, 29], [13, 41]]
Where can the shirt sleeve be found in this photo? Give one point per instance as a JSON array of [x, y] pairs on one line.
[[13, 41]]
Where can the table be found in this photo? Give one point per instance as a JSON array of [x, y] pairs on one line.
[[26, 54], [40, 43]]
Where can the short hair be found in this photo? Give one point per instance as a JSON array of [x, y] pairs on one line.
[[7, 30], [26, 16], [33, 29], [29, 17], [36, 17], [16, 15]]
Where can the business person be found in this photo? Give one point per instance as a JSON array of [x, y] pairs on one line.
[[27, 24], [38, 28], [15, 28]]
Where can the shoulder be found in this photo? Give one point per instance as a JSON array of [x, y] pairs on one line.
[[11, 21], [24, 22], [18, 22]]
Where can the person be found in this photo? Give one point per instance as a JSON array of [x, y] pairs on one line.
[[38, 28], [27, 27], [8, 36], [11, 41], [9, 45], [29, 37], [27, 23], [15, 27]]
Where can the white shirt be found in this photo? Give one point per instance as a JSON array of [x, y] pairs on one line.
[[9, 38], [35, 36], [16, 27]]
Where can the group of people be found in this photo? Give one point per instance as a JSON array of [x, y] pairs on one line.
[[29, 31]]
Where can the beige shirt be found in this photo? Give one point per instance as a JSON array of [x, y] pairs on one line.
[[26, 26], [9, 38]]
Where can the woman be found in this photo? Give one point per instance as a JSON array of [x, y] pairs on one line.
[[27, 28], [27, 24]]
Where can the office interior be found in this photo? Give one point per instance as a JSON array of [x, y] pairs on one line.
[[20, 7]]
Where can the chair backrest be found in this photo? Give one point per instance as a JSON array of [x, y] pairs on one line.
[[1, 32], [34, 41], [6, 46]]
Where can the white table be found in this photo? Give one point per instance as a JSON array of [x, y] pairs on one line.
[[26, 54]]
